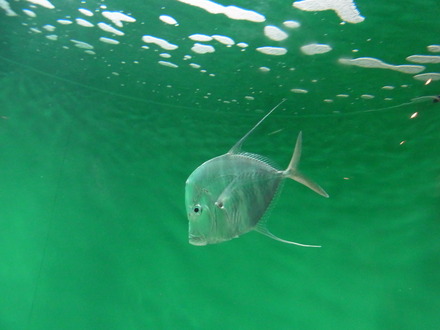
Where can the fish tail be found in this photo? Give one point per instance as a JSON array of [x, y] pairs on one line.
[[293, 173]]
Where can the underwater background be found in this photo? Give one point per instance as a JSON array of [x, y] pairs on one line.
[[106, 107]]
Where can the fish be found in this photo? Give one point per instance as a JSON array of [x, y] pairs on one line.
[[228, 196]]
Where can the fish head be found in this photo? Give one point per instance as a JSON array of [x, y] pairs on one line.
[[208, 223]]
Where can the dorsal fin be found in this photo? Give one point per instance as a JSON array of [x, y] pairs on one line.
[[237, 147]]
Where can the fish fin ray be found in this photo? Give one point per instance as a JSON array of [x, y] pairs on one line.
[[260, 158], [262, 229], [237, 147], [293, 173]]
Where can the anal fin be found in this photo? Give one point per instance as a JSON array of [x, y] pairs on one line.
[[262, 229]]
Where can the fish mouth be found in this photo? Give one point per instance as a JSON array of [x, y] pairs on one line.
[[197, 240]]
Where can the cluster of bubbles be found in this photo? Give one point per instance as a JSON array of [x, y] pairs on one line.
[[112, 22]]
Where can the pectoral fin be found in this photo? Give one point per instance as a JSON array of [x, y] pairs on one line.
[[226, 193]]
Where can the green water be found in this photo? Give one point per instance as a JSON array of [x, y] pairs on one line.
[[93, 230]]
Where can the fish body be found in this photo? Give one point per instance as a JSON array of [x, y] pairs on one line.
[[227, 196], [233, 191]]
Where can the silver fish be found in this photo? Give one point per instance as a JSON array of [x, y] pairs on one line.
[[228, 195]]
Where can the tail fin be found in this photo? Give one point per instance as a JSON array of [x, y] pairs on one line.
[[293, 173]]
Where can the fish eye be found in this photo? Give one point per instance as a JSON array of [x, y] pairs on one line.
[[197, 209]]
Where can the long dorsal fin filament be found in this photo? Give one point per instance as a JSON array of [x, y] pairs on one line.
[[237, 147]]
